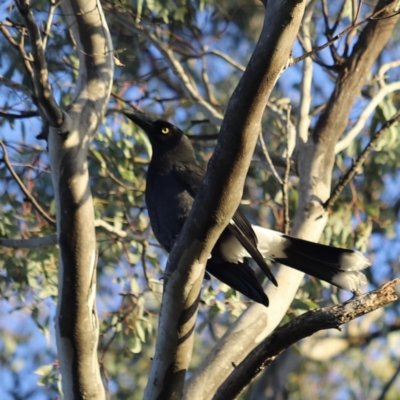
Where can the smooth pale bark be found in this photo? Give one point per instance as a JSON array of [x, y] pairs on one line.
[[217, 201], [77, 325]]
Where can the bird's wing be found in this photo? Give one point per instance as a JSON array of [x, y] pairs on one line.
[[191, 176], [241, 228]]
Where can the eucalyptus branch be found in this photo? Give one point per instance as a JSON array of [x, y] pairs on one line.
[[341, 34], [353, 170], [331, 317], [21, 49], [44, 92], [22, 115], [269, 160], [362, 119], [119, 232], [27, 194], [304, 118], [146, 272], [46, 33], [228, 59], [17, 87], [206, 82], [386, 67]]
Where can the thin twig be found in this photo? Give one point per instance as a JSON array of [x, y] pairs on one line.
[[341, 34], [362, 119], [27, 194], [46, 32], [17, 87], [20, 48], [353, 170], [206, 82], [285, 183], [23, 115], [146, 272], [44, 92], [268, 158], [119, 232], [228, 59]]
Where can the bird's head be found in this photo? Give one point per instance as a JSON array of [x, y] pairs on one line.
[[158, 130]]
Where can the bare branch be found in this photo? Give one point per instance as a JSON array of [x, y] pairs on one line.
[[25, 58], [46, 33], [269, 160], [331, 317], [44, 92], [25, 191], [374, 16], [386, 67], [362, 119], [360, 160], [18, 87], [146, 273], [303, 122], [119, 232], [206, 82], [22, 115], [228, 59]]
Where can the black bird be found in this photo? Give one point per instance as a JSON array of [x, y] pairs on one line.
[[173, 179]]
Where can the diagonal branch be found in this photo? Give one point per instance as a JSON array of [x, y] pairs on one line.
[[228, 59], [374, 16], [362, 119], [53, 5], [18, 87], [331, 317], [25, 191], [360, 161], [21, 49]]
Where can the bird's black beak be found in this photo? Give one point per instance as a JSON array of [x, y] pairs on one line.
[[142, 120]]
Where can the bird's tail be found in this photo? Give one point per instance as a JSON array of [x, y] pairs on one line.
[[340, 267]]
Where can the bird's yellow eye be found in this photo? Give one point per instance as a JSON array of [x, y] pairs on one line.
[[165, 130]]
